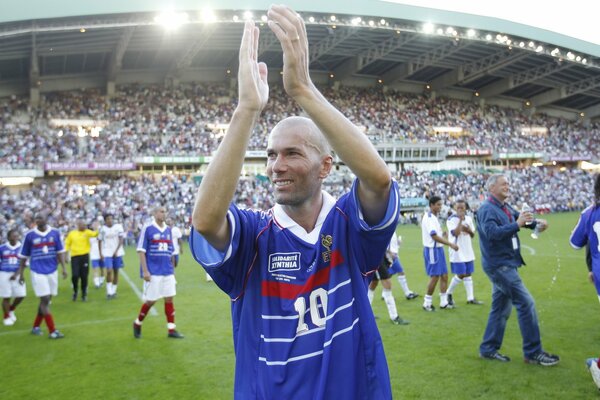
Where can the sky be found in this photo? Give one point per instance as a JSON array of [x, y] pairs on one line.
[[575, 18]]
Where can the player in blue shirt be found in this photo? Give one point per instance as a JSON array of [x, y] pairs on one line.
[[297, 274], [155, 249], [10, 287], [587, 232], [44, 249]]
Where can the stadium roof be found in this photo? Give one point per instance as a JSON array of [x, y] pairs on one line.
[[47, 44]]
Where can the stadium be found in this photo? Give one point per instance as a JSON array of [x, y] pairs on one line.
[[117, 107]]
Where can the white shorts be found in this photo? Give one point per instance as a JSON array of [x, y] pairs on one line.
[[159, 286], [45, 285], [10, 288]]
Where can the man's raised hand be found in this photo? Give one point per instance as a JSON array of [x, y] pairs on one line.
[[289, 28], [252, 76]]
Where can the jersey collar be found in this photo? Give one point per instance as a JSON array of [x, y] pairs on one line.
[[284, 220], [164, 228], [47, 231]]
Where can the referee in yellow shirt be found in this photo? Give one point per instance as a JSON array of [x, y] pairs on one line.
[[78, 244]]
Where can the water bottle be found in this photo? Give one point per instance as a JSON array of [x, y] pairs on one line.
[[525, 208], [536, 232]]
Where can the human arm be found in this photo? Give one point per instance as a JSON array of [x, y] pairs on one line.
[[61, 256], [219, 183], [493, 225], [144, 265], [343, 136], [440, 239], [68, 243], [19, 272], [119, 246]]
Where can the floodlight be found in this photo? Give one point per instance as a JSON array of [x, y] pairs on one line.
[[208, 15], [171, 19], [428, 27]]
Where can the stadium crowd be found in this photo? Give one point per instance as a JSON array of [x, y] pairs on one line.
[[185, 121], [130, 198]]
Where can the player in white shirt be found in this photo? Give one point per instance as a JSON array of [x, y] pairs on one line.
[[433, 254], [111, 239], [461, 230], [177, 236], [97, 264]]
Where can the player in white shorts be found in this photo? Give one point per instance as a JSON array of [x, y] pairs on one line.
[[155, 250], [462, 261], [44, 249], [110, 240], [10, 287]]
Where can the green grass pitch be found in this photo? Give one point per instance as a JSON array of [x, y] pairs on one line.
[[434, 357]]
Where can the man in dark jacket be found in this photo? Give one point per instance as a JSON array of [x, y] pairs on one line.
[[498, 225]]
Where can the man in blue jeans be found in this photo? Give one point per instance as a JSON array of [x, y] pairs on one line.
[[498, 225]]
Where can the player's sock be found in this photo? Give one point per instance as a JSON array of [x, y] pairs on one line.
[[109, 288], [453, 283], [390, 303], [170, 313], [12, 307], [114, 289], [143, 313], [427, 300], [38, 320], [443, 300], [468, 281], [598, 362], [49, 322], [404, 284], [6, 315], [370, 295]]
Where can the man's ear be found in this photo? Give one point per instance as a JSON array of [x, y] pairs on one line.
[[326, 165]]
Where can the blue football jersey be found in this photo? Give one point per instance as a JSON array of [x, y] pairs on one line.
[[42, 249], [9, 257], [157, 243], [302, 323], [587, 232]]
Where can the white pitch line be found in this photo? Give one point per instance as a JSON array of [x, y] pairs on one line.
[[135, 289], [530, 249], [94, 322]]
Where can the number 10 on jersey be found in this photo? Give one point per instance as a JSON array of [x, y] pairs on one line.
[[317, 299]]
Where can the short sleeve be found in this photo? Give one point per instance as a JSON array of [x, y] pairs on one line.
[[579, 236]]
